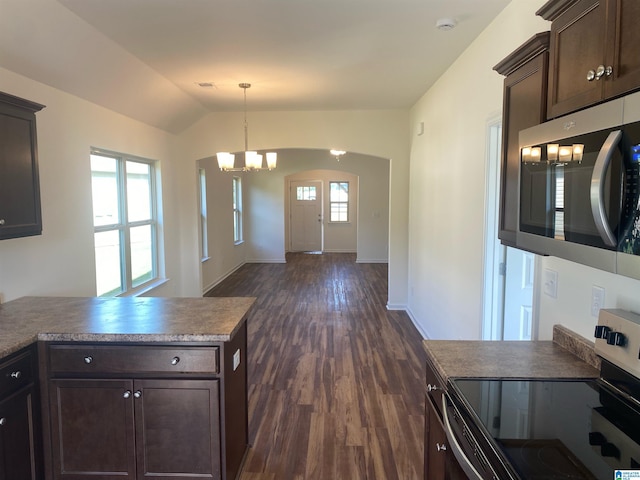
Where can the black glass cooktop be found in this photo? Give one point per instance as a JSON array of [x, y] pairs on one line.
[[552, 429]]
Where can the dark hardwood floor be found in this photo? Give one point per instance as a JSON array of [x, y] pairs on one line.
[[336, 381]]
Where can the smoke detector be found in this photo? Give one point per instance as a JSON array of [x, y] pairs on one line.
[[446, 24]]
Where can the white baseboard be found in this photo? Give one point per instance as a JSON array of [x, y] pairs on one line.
[[417, 324]]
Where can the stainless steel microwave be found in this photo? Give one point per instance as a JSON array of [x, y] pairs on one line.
[[578, 190]]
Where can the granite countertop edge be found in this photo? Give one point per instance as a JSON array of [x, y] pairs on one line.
[[28, 320], [568, 355]]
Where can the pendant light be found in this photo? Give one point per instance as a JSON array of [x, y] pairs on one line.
[[252, 159]]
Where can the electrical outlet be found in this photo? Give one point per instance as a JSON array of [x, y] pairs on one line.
[[236, 360], [550, 283], [597, 300]]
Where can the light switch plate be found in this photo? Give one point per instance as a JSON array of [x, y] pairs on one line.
[[550, 286], [597, 300], [236, 360]]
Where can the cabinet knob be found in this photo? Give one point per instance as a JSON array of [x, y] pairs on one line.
[[3, 421], [1, 221], [175, 360], [591, 75], [431, 388], [600, 71], [127, 394], [137, 394], [88, 359], [17, 374], [441, 447]]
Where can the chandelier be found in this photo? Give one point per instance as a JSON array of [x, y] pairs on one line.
[[252, 159]]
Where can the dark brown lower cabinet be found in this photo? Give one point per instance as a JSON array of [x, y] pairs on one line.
[[19, 436], [107, 429], [439, 461]]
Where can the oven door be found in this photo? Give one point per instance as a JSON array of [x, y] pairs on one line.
[[465, 445]]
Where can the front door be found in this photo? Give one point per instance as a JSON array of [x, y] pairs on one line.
[[306, 216]]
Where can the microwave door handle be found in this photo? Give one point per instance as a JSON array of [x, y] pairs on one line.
[[597, 188], [464, 462]]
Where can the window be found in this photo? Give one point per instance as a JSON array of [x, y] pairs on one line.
[[237, 209], [204, 242], [306, 193], [339, 201], [124, 221]]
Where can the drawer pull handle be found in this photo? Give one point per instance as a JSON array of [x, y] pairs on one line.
[[441, 447], [432, 388], [137, 394], [3, 421], [175, 360], [127, 394], [17, 374], [88, 359]]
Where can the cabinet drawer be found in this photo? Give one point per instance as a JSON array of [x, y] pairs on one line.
[[16, 373], [435, 387], [109, 359]]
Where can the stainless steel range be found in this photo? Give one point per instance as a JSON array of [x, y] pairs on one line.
[[524, 429]]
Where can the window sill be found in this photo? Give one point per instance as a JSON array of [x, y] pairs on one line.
[[146, 288]]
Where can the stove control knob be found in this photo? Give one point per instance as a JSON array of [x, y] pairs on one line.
[[610, 450], [596, 438], [602, 331], [616, 338]]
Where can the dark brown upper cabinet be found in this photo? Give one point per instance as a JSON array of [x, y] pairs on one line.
[[20, 214], [594, 52], [524, 105]]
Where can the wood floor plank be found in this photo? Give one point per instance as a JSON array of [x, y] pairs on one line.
[[336, 380]]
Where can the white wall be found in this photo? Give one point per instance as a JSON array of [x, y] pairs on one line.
[[572, 307], [61, 260], [370, 133], [448, 172]]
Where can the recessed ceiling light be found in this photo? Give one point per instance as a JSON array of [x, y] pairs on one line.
[[446, 24]]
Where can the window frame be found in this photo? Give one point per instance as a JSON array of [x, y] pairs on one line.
[[236, 205], [347, 203], [204, 214], [123, 227]]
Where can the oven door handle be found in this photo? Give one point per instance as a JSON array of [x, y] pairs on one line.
[[464, 462], [597, 188]]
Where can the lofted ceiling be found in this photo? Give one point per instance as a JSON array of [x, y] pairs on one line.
[[146, 58]]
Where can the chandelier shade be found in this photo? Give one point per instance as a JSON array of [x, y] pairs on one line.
[[252, 159]]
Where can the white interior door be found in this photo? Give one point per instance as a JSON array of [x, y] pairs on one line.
[[305, 200], [518, 295]]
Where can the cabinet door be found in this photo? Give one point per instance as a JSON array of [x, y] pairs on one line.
[[440, 462], [524, 106], [577, 45], [177, 429], [434, 461], [623, 47], [92, 429], [19, 453], [19, 182]]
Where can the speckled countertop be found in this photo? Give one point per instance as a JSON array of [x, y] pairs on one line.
[[567, 356], [130, 319]]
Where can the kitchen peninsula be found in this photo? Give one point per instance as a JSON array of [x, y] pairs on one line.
[[128, 387]]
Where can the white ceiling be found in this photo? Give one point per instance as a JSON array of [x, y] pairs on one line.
[[144, 58]]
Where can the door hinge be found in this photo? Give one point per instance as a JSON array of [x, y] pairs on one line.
[[502, 269]]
